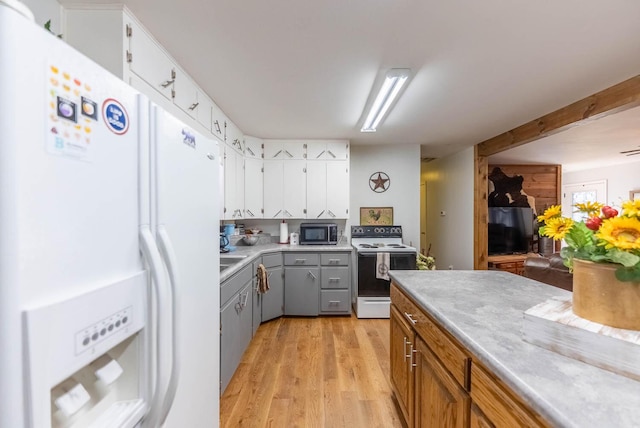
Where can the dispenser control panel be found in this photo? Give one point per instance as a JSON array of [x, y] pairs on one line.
[[103, 329]]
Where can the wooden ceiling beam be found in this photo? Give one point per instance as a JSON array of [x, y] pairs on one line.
[[617, 98]]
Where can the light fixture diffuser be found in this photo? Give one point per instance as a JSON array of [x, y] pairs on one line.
[[394, 80]]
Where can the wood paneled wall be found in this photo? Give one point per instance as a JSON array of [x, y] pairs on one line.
[[540, 181], [622, 96]]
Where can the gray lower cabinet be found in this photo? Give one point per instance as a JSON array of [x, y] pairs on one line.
[[302, 284], [272, 302], [257, 298], [236, 318], [335, 289]]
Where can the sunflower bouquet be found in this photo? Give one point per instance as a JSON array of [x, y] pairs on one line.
[[603, 237]]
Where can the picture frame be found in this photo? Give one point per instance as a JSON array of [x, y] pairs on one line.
[[375, 216], [634, 194]]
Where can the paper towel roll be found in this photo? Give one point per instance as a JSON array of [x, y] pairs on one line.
[[284, 232]]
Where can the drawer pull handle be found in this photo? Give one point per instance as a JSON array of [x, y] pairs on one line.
[[334, 279], [413, 351], [334, 260], [334, 302], [410, 317], [404, 349]]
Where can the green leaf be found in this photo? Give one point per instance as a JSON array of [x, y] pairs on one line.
[[626, 274], [622, 257], [47, 26]]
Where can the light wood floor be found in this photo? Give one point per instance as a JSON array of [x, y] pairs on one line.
[[313, 372]]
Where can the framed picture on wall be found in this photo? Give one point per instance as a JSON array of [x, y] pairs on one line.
[[376, 216], [634, 194]]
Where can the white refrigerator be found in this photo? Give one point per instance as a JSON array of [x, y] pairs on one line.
[[109, 220]]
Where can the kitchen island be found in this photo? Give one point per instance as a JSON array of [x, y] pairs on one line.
[[480, 315]]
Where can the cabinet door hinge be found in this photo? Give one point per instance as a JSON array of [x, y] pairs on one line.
[[173, 93], [128, 30], [129, 57]]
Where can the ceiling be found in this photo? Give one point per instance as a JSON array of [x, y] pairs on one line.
[[304, 69]]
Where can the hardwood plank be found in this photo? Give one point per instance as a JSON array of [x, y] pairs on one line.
[[313, 372]]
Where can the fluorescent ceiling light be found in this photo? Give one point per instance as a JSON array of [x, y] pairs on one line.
[[393, 83]]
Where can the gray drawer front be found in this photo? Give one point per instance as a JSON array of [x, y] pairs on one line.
[[335, 277], [335, 259], [232, 285], [272, 260], [335, 301], [301, 259]]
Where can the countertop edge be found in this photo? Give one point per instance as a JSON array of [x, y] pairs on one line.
[[250, 253]]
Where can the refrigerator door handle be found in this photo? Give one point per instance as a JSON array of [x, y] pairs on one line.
[[169, 255], [161, 377]]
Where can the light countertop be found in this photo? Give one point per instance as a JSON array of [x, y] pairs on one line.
[[251, 252], [484, 311]]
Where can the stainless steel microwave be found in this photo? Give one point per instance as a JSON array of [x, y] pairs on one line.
[[318, 234]]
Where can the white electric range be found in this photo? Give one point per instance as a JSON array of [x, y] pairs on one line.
[[378, 250]]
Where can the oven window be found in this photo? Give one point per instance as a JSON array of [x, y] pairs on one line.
[[368, 284]]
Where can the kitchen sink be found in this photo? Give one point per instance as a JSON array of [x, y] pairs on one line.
[[228, 260]]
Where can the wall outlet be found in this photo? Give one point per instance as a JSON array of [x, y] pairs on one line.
[[450, 267]]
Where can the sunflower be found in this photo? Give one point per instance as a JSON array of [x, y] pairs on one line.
[[552, 212], [620, 232], [590, 208], [558, 227], [631, 208]]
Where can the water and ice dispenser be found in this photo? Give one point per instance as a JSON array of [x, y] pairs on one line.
[[85, 358]]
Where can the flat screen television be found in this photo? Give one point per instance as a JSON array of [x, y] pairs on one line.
[[510, 230]]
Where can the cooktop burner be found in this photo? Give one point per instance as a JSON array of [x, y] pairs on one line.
[[381, 245], [372, 239]]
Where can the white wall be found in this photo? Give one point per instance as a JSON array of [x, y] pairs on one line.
[[402, 164], [621, 179], [44, 10], [450, 184]]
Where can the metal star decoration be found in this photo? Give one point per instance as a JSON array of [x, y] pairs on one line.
[[379, 182]]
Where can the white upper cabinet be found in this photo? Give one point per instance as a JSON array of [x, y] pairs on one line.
[[252, 147], [253, 178], [191, 99], [337, 189], [285, 194], [115, 39], [327, 150], [218, 120], [148, 60], [253, 192], [234, 137], [327, 189], [233, 184], [284, 149]]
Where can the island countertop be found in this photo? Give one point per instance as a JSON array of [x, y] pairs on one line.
[[484, 311]]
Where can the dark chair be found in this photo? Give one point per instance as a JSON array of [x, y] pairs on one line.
[[550, 270]]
